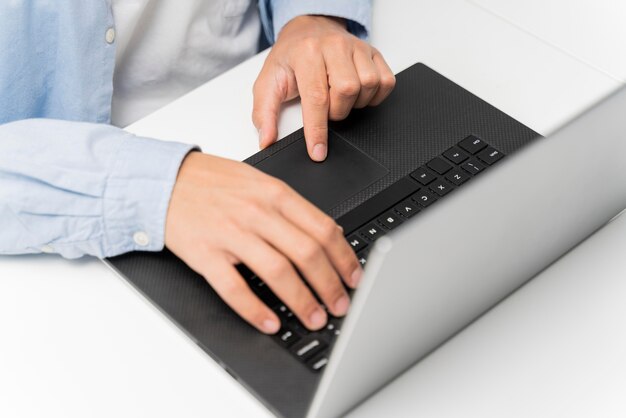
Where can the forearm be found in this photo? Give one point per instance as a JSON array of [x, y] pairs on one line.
[[76, 188]]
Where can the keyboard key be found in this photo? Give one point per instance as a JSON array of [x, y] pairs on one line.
[[333, 328], [472, 144], [287, 336], [456, 155], [424, 176], [295, 325], [284, 312], [390, 220], [255, 282], [458, 176], [307, 347], [371, 231], [473, 166], [441, 187], [266, 295], [317, 363], [407, 208], [357, 243], [362, 257], [439, 165], [490, 155], [424, 198]]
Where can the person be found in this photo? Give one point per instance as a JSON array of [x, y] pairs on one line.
[[73, 183]]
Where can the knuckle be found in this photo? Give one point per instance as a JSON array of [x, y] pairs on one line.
[[317, 131], [233, 289], [338, 114], [312, 45], [388, 81], [348, 88], [277, 190], [256, 86], [278, 268], [251, 174], [350, 264], [370, 80], [328, 230], [364, 46], [309, 252], [256, 114], [254, 210], [318, 96], [338, 40]]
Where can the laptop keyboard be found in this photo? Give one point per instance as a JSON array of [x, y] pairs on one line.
[[435, 179]]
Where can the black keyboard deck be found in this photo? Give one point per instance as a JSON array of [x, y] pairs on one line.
[[416, 192]]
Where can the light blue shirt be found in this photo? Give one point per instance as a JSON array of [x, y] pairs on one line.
[[70, 183]]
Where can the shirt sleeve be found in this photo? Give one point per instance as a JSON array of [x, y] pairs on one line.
[[276, 13], [79, 188]]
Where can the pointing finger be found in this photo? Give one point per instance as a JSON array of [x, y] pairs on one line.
[[313, 87]]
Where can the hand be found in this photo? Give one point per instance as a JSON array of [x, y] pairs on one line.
[[223, 213], [332, 71]]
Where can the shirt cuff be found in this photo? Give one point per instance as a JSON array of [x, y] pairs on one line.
[[138, 193], [358, 13]]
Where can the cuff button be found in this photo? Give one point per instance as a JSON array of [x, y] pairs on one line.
[[109, 35], [141, 238]]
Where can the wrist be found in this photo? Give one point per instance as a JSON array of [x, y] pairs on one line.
[[192, 174], [137, 194], [309, 23], [357, 14], [338, 22]]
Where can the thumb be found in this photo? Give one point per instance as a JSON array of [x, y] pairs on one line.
[[268, 97]]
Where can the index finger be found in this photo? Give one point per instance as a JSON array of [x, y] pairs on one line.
[[312, 81]]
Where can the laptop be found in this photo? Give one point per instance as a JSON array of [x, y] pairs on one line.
[[449, 204]]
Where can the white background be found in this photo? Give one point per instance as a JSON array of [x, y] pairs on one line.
[[77, 341]]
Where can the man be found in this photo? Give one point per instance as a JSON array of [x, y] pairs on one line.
[[73, 184]]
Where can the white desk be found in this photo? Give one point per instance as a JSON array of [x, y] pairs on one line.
[[77, 341]]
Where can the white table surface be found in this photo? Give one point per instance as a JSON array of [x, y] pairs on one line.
[[78, 341]]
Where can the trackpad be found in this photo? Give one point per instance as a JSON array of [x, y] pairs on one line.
[[346, 171]]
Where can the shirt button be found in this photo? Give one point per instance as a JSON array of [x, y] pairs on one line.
[[110, 35], [141, 238]]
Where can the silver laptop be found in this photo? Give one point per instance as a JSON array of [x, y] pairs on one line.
[[431, 279], [425, 280]]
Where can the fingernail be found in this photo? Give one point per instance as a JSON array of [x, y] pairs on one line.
[[356, 277], [342, 305], [319, 152], [318, 318], [271, 326]]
